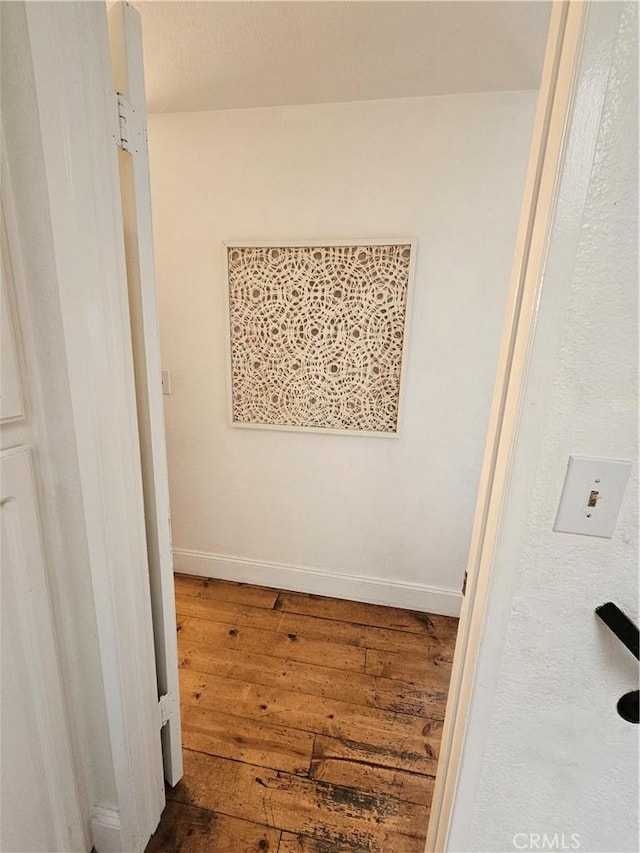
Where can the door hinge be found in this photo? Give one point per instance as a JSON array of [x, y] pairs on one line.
[[167, 708], [129, 132], [464, 582]]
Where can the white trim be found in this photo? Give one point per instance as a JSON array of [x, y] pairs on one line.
[[301, 244], [371, 590], [361, 433], [284, 244], [105, 830], [524, 379], [69, 50], [128, 76]]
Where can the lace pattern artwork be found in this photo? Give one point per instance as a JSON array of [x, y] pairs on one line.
[[317, 335]]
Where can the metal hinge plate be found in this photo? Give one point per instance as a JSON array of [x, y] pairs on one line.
[[129, 132], [167, 708]]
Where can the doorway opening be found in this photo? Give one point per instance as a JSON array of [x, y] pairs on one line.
[[317, 565]]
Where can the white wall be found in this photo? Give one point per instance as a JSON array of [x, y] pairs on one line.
[[447, 170], [557, 757]]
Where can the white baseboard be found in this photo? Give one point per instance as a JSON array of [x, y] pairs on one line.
[[411, 596], [105, 830]]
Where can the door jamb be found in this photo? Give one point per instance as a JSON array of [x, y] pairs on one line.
[[69, 53], [125, 35], [553, 113]]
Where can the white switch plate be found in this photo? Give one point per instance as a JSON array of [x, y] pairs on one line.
[[602, 481], [166, 381]]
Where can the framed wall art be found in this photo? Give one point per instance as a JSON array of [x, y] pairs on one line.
[[318, 334]]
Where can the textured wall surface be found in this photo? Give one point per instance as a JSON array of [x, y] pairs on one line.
[[448, 171], [559, 759]]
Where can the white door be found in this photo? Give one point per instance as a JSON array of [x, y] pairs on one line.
[[131, 135], [38, 789]]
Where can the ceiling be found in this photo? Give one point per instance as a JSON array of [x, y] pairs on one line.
[[231, 55]]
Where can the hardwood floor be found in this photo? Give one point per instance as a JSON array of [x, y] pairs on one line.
[[310, 724]]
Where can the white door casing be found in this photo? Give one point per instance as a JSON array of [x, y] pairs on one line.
[[76, 215], [545, 161], [128, 74]]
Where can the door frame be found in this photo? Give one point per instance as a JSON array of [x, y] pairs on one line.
[[67, 47], [77, 133], [127, 63], [567, 125]]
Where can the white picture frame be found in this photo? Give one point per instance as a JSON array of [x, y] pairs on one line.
[[285, 244]]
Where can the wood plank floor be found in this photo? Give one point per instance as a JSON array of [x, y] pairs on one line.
[[310, 724]]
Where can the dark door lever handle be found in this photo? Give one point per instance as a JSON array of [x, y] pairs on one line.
[[628, 705], [621, 625]]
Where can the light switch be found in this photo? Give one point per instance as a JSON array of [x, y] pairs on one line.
[[592, 496], [166, 381]]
